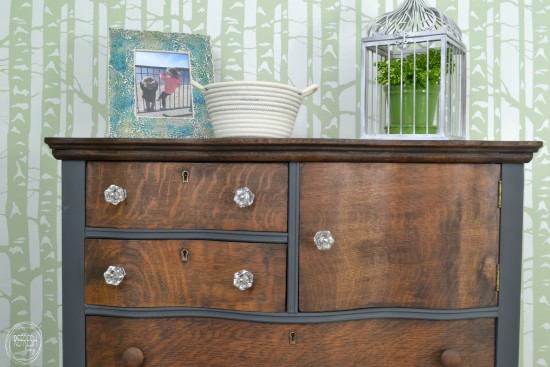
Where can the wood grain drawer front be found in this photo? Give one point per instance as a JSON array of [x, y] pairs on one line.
[[406, 235], [156, 276], [221, 343], [157, 197]]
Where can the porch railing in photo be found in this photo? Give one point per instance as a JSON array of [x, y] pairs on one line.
[[180, 99]]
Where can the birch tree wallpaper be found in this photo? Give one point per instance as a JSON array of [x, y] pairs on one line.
[[53, 82]]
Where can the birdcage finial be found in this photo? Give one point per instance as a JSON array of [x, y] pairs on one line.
[[413, 16]]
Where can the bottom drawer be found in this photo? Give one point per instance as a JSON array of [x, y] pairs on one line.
[[214, 342]]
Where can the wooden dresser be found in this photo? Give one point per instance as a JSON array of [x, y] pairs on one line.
[[291, 252]]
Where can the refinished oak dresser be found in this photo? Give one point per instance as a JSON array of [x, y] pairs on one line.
[[291, 252]]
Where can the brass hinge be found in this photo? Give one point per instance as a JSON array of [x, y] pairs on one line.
[[497, 282], [499, 194]]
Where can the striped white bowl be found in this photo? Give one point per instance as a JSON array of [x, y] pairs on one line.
[[253, 108]]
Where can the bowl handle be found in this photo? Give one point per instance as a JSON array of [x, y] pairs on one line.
[[310, 90], [198, 86]]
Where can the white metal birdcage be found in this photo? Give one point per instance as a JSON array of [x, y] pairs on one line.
[[414, 75]]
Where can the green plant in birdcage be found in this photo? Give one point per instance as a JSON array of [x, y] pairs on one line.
[[413, 85], [419, 67]]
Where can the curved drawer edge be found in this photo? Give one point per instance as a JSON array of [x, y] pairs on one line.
[[310, 317]]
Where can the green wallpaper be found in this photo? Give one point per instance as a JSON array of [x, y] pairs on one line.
[[53, 58]]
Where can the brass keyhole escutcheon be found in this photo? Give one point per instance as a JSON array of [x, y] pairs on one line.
[[184, 254], [185, 176]]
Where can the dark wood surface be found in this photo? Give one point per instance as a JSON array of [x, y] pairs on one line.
[[260, 150], [157, 277], [221, 343], [157, 197], [416, 235]]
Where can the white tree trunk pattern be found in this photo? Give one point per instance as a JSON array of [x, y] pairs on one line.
[[53, 68]]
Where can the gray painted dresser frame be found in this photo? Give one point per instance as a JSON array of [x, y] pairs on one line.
[[75, 152]]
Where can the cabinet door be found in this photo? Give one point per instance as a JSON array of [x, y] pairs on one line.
[[405, 235], [192, 342]]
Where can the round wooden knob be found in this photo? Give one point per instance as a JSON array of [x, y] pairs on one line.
[[451, 358], [133, 357]]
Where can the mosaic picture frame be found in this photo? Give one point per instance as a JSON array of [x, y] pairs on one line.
[[150, 92]]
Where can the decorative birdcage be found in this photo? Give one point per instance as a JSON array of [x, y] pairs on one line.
[[414, 75]]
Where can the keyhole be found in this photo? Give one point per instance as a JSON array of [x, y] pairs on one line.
[[185, 176], [292, 337], [184, 254]]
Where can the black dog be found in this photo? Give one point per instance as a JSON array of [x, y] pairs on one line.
[[149, 87]]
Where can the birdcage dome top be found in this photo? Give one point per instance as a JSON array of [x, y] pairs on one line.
[[413, 16]]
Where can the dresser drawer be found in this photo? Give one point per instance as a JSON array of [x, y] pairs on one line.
[[221, 343], [188, 195], [405, 235], [186, 273]]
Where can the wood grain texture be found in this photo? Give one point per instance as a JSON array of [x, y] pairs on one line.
[[157, 277], [157, 197], [276, 150], [221, 343], [416, 235]]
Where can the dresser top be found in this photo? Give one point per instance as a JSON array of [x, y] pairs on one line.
[[311, 150]]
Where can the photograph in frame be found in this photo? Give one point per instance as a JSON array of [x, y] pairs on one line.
[[150, 88]]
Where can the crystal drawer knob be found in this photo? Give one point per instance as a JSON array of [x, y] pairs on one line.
[[244, 197], [114, 275], [323, 240], [243, 279], [115, 194]]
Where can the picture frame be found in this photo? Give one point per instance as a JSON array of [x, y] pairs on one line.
[[149, 81]]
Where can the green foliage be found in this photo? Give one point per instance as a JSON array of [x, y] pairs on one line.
[[428, 68]]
